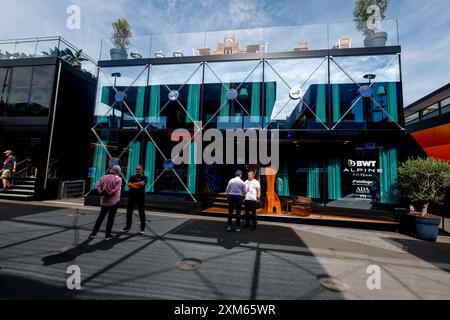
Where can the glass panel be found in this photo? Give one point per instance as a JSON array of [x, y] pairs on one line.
[[234, 42], [25, 49], [7, 50], [346, 35], [233, 95], [139, 48], [362, 176], [412, 118], [19, 94], [41, 91], [445, 105], [46, 48], [5, 74], [175, 92], [167, 180], [301, 38], [365, 91], [121, 90], [105, 52], [178, 45], [430, 112], [306, 110], [445, 102]]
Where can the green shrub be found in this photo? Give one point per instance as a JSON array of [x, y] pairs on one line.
[[424, 181]]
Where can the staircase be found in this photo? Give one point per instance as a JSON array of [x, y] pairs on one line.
[[219, 204], [22, 189]]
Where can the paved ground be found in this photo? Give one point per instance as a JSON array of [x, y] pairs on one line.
[[278, 261]]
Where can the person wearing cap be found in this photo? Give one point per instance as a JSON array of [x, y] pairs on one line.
[[235, 192], [9, 168], [109, 188]]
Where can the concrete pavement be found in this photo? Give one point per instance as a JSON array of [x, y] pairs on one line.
[[38, 242]]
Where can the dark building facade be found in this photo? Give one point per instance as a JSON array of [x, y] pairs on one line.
[[338, 114], [46, 107]]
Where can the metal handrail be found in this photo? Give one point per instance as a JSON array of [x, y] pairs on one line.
[[27, 161], [61, 43], [18, 173]]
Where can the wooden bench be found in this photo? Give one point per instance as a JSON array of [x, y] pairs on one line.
[[304, 203]]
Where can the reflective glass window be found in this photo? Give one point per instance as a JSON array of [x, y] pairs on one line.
[[41, 91], [445, 105], [233, 95], [430, 112], [412, 118], [296, 92], [4, 84], [19, 92], [365, 92]]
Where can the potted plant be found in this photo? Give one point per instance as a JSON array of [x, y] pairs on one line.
[[121, 39], [74, 58], [367, 21], [423, 182]]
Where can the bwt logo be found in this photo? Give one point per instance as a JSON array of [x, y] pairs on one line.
[[362, 164]]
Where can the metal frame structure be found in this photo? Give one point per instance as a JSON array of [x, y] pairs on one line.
[[204, 63]]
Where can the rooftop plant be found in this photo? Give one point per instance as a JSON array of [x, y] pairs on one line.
[[73, 57], [121, 34], [362, 14]]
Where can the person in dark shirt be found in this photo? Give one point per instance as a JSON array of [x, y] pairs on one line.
[[136, 197], [9, 168]]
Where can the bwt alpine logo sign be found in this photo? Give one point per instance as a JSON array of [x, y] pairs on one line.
[[362, 168], [362, 164]]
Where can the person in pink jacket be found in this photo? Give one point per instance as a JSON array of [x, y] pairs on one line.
[[109, 188]]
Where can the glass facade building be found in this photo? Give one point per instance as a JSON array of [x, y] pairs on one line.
[[338, 113], [44, 100]]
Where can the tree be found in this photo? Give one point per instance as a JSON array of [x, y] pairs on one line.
[[361, 16], [424, 181], [121, 34]]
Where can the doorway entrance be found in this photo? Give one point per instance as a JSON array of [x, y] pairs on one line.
[[26, 143], [216, 176]]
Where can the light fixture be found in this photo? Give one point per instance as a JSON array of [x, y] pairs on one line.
[[370, 76], [381, 91], [243, 94], [136, 55], [178, 54], [159, 54]]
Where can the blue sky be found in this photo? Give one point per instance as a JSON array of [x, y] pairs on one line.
[[424, 25]]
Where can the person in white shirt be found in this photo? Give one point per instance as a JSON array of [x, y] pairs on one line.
[[252, 197], [235, 192]]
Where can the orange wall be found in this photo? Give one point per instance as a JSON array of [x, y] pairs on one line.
[[435, 141]]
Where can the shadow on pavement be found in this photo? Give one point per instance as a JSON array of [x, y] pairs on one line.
[[264, 234], [21, 288], [10, 211], [431, 252], [83, 248]]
